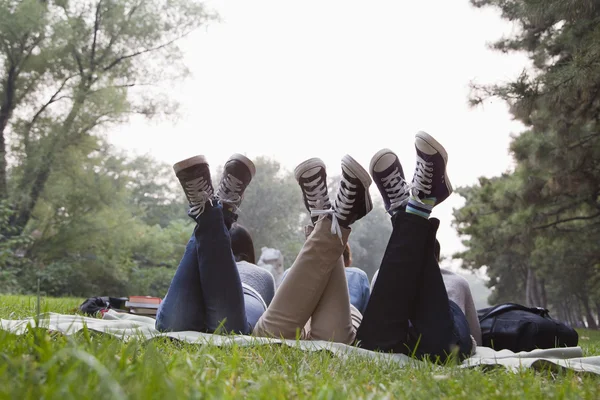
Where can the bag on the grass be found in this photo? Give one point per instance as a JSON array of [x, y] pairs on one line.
[[518, 328], [95, 305]]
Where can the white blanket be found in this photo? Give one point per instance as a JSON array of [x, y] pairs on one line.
[[128, 326]]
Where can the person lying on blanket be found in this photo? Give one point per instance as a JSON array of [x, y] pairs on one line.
[[216, 285], [409, 310], [459, 292]]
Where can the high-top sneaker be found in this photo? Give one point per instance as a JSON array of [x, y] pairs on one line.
[[237, 174], [387, 173], [194, 175], [312, 178], [353, 200], [430, 184]]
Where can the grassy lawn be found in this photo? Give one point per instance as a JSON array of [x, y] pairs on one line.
[[41, 365]]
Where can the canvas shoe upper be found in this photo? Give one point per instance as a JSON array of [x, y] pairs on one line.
[[237, 174], [430, 179], [388, 175], [194, 175], [353, 200], [312, 178]]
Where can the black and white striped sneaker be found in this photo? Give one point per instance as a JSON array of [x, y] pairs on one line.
[[388, 175], [237, 174], [430, 180], [353, 200], [194, 175], [312, 178]]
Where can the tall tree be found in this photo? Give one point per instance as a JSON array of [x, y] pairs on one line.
[[23, 62], [554, 211], [72, 67]]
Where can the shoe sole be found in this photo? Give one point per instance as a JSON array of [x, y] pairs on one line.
[[440, 149], [246, 161], [362, 175], [306, 166], [378, 156], [189, 162]]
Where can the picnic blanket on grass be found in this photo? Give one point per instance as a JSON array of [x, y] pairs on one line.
[[128, 326]]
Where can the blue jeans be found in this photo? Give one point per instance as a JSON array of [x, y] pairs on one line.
[[358, 287], [206, 292], [409, 310]]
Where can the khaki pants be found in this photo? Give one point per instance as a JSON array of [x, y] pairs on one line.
[[314, 289]]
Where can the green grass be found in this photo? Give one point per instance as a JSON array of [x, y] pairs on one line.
[[45, 365]]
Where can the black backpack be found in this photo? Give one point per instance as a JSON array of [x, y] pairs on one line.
[[519, 328], [93, 305]]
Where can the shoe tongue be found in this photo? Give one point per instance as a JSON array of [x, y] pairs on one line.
[[394, 168]]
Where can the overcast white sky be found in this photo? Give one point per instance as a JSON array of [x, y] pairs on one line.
[[293, 80]]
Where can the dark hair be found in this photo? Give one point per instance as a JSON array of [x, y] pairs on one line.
[[347, 256], [437, 250], [242, 245]]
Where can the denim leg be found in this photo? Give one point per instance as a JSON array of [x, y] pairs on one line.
[[385, 321], [254, 309], [206, 289], [182, 309], [461, 331], [219, 276], [358, 288]]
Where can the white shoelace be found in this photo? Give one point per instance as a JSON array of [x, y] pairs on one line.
[[317, 198], [199, 192], [422, 179], [342, 207], [396, 189], [229, 189]]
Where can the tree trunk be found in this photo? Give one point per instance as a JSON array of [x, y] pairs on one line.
[[542, 291], [569, 309], [531, 289], [6, 109], [588, 312], [579, 314], [3, 169]]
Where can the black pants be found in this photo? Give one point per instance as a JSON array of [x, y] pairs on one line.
[[409, 311]]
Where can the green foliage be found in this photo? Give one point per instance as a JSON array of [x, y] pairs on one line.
[[68, 70], [101, 228], [13, 250], [71, 68], [150, 281], [536, 226]]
